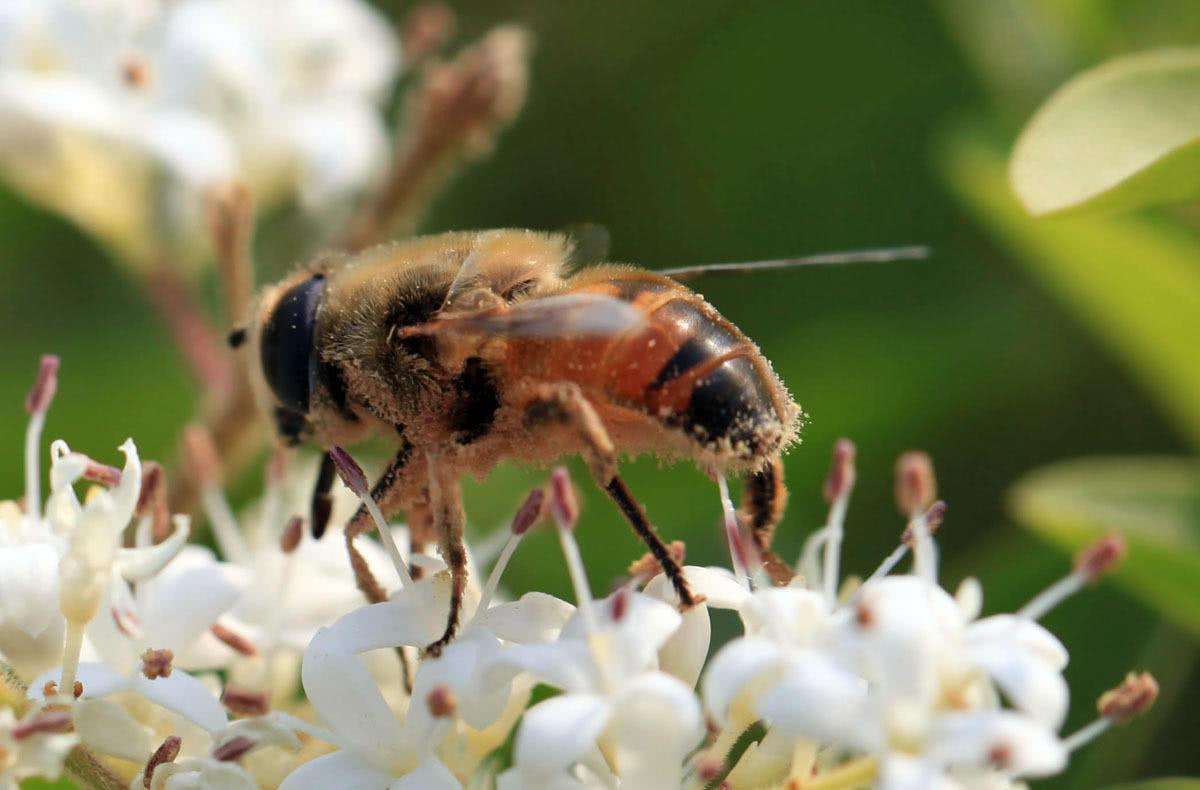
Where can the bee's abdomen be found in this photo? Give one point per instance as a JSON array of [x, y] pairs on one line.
[[695, 371]]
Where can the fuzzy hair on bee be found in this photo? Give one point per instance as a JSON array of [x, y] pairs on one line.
[[473, 348]]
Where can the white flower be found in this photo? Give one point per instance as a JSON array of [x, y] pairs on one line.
[[615, 699], [35, 746], [219, 769], [99, 97]]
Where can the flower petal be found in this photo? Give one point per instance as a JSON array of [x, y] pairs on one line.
[[186, 695], [718, 586], [534, 617], [98, 680], [1002, 740], [415, 616], [655, 722], [734, 667], [139, 564], [817, 699], [176, 608], [558, 732], [343, 770], [106, 727], [429, 775]]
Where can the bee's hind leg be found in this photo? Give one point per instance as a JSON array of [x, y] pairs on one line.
[[446, 506], [763, 500], [565, 404]]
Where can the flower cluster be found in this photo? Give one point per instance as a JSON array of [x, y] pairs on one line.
[[144, 659]]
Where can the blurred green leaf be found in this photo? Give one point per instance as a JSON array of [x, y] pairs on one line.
[[1161, 784], [1123, 135], [1135, 281], [1153, 502]]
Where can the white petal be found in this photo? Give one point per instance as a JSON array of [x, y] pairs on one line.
[[342, 147], [566, 664], [192, 148], [817, 699], [415, 616], [459, 668], [1025, 661], [140, 564], [343, 770], [98, 680], [734, 667], [346, 697], [28, 597], [900, 772], [645, 625], [176, 608], [107, 727], [655, 722], [125, 494], [718, 586], [1029, 635], [558, 732], [429, 775], [789, 615], [684, 653], [187, 696], [973, 740], [534, 617]]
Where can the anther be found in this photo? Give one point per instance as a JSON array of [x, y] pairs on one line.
[[442, 703], [1101, 557], [564, 505], [239, 643], [244, 702], [233, 749], [933, 522], [530, 512], [1136, 694], [916, 486], [842, 472], [45, 722], [165, 753], [293, 533], [157, 663], [350, 472], [201, 453], [44, 386]]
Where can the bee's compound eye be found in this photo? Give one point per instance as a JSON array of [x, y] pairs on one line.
[[288, 360]]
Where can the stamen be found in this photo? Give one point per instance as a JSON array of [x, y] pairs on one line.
[[152, 500], [1136, 694], [1092, 563], [528, 514], [166, 753], [72, 646], [562, 495], [201, 453], [354, 478], [739, 551], [37, 402], [838, 486]]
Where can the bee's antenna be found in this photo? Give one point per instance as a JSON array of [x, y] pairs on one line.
[[879, 255]]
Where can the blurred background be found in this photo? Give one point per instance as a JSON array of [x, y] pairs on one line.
[[722, 131]]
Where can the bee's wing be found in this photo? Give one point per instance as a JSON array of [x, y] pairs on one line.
[[565, 315], [590, 243]]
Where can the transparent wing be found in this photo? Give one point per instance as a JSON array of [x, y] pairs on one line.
[[569, 315], [590, 243]]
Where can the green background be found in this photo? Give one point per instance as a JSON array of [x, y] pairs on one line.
[[713, 131]]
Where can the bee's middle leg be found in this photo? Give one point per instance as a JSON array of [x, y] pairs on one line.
[[566, 404]]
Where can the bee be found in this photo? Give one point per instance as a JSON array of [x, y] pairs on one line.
[[472, 348]]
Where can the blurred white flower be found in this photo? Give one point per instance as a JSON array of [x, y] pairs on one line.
[[34, 746], [99, 98]]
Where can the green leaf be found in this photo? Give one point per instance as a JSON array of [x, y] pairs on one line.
[[1123, 135], [1179, 783], [1134, 281], [1153, 501]]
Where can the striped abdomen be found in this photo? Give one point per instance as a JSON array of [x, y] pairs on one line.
[[687, 367]]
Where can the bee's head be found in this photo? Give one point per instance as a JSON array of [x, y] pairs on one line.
[[284, 331]]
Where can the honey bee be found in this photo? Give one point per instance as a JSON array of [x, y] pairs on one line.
[[471, 348]]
